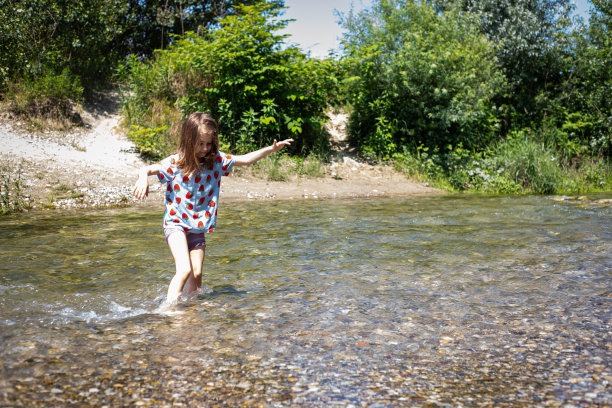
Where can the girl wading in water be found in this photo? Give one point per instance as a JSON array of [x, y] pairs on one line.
[[193, 179]]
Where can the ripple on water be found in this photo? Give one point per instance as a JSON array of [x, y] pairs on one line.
[[420, 301]]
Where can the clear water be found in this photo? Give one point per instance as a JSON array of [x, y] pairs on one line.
[[425, 301]]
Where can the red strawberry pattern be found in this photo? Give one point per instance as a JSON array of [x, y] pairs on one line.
[[192, 202]]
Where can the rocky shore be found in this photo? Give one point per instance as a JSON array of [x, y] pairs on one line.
[[96, 165]]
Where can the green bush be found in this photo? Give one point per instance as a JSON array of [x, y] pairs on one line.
[[49, 96], [530, 163], [240, 74], [150, 142], [418, 77]]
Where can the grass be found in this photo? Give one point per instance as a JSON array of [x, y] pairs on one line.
[[280, 167], [515, 166], [64, 191]]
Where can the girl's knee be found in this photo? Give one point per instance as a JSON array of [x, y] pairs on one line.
[[183, 272]]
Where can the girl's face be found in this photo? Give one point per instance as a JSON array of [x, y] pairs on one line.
[[204, 145]]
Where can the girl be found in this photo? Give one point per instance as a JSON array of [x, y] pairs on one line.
[[193, 179]]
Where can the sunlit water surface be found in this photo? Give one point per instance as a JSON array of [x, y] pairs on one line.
[[389, 302]]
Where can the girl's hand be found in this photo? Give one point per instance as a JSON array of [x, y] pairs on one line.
[[279, 145], [141, 189], [250, 158]]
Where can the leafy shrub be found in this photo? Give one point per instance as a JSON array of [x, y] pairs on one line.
[[150, 142], [529, 163], [418, 77], [49, 96], [240, 74]]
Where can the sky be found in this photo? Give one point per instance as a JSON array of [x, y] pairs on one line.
[[316, 29]]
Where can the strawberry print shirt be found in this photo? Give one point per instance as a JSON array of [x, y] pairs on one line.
[[192, 202]]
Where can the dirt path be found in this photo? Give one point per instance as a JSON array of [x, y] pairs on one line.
[[96, 166]]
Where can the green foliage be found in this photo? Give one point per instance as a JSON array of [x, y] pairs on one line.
[[281, 167], [149, 141], [418, 77], [12, 197], [379, 144], [525, 162], [89, 37], [153, 128], [49, 35], [241, 75], [530, 38], [49, 96], [530, 164], [149, 25], [584, 105]]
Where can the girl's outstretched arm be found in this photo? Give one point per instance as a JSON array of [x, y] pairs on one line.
[[141, 188], [257, 155]]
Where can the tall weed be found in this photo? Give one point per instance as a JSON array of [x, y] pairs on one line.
[[281, 167], [12, 196], [529, 163]]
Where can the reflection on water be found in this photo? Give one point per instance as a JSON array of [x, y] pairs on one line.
[[416, 301]]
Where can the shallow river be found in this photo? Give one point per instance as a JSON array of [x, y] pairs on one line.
[[425, 301]]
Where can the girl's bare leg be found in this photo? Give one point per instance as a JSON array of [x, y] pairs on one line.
[[194, 281], [178, 246]]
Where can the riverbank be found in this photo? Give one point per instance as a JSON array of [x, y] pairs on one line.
[[96, 165]]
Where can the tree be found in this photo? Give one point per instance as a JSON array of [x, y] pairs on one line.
[[239, 72], [51, 35], [585, 103], [150, 24], [531, 38], [89, 37], [418, 77]]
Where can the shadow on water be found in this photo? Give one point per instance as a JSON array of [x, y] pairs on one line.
[[222, 290], [427, 301]]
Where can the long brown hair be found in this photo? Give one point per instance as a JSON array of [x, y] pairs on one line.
[[194, 126]]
